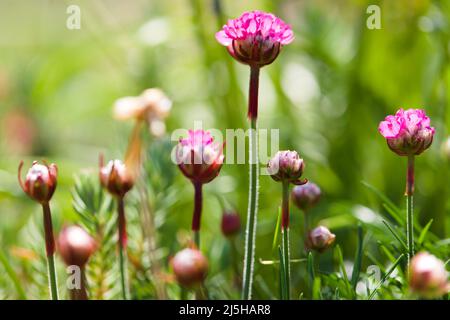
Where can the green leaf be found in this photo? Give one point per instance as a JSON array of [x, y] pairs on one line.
[[283, 285], [424, 232], [311, 272], [12, 274], [277, 229], [386, 275], [396, 235], [358, 258]]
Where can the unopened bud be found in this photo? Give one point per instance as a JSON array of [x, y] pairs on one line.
[[427, 276], [286, 166], [116, 178], [305, 196], [190, 267], [231, 223], [40, 182], [75, 245], [320, 239]]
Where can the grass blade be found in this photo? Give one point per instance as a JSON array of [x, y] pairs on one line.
[[396, 235], [424, 232], [386, 275], [10, 272], [358, 258]]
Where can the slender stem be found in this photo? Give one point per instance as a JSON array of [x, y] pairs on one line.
[[409, 207], [197, 215], [122, 247], [285, 236], [253, 93], [250, 232], [50, 251], [80, 293]]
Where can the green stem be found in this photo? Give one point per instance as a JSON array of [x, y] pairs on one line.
[[285, 236], [410, 207], [250, 232], [122, 247], [286, 257], [50, 250]]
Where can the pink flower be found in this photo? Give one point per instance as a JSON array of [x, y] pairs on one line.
[[320, 239], [75, 245], [255, 38], [408, 132], [199, 157], [116, 177], [427, 276], [286, 166], [40, 182]]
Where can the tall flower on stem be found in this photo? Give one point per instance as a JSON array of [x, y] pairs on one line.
[[254, 39], [200, 159], [408, 133], [76, 246], [286, 167], [40, 184], [116, 178]]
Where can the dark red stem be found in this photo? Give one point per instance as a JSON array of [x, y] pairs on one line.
[[122, 224], [410, 177], [48, 230], [80, 294], [198, 199], [253, 93]]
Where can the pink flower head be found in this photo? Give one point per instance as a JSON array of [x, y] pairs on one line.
[[428, 276], [320, 239], [286, 166], [75, 245], [40, 181], [199, 157], [408, 132], [255, 38]]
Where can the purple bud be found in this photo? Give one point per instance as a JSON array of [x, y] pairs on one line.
[[40, 182], [320, 239], [190, 267], [305, 196], [231, 223], [286, 166]]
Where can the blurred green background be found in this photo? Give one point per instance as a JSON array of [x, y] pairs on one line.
[[326, 92]]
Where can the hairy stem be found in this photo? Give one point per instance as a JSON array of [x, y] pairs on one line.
[[285, 237], [250, 232], [197, 215], [409, 207], [50, 251], [122, 247]]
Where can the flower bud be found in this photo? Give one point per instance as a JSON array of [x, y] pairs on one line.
[[116, 178], [75, 246], [305, 196], [320, 239], [286, 166], [199, 157], [190, 267], [231, 223], [408, 132], [40, 181], [427, 276], [255, 38]]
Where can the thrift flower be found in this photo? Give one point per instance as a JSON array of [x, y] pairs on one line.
[[190, 267], [320, 239], [116, 178], [199, 157], [40, 181], [305, 196], [286, 166], [75, 246], [427, 276], [200, 160], [408, 132], [255, 38]]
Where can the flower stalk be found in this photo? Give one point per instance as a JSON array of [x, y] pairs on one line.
[[197, 214], [410, 207], [250, 232], [50, 251], [285, 237], [122, 247]]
